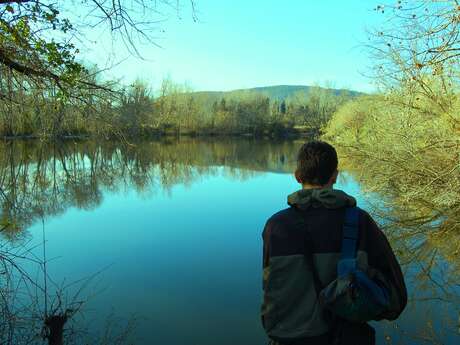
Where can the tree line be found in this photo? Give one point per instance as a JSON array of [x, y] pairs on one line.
[[137, 111], [48, 91]]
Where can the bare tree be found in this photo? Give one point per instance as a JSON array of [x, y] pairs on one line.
[[418, 47]]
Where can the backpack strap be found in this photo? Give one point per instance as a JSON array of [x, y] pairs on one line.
[[350, 233]]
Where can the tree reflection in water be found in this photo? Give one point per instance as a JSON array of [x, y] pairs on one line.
[[46, 179], [427, 248], [41, 180]]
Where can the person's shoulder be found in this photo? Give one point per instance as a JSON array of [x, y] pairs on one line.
[[366, 219], [363, 215], [282, 216], [368, 224]]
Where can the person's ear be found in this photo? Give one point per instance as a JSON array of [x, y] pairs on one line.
[[334, 177], [297, 176]]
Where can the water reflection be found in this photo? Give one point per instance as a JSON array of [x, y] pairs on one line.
[[39, 180], [147, 207], [427, 247]]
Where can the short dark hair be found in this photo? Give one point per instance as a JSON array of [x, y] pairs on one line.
[[316, 162]]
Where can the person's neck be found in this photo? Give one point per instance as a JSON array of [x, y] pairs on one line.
[[316, 186]]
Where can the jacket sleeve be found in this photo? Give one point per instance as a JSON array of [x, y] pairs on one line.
[[265, 242], [382, 258]]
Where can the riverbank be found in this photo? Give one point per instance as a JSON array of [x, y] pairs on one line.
[[295, 132]]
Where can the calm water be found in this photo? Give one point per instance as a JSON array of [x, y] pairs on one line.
[[166, 237]]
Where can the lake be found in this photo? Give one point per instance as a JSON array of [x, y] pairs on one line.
[[161, 241]]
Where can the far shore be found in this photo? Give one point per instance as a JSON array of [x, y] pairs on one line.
[[292, 133]]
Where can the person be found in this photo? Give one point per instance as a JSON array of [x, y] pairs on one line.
[[291, 312]]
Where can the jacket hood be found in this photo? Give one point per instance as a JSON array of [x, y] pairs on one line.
[[321, 197]]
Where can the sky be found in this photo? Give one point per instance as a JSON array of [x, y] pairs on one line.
[[241, 44]]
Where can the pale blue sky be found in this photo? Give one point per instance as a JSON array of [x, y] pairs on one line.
[[240, 44]]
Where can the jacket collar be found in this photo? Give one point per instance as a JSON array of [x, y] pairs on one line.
[[320, 197]]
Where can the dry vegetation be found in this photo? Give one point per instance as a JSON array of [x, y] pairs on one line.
[[404, 142]]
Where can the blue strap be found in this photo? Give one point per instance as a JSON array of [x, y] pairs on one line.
[[350, 231]]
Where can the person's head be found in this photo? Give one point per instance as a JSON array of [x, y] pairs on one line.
[[316, 165]]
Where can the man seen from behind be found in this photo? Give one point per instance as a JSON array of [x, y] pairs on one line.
[[302, 245]]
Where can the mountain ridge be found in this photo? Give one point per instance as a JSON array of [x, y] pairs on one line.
[[275, 92]]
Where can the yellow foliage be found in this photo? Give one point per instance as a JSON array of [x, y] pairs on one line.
[[406, 147]]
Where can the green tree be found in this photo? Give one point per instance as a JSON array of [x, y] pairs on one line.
[[38, 38]]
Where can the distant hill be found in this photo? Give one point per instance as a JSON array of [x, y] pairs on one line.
[[280, 92], [275, 92]]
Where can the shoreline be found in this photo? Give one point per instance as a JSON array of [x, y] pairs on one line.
[[292, 134]]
